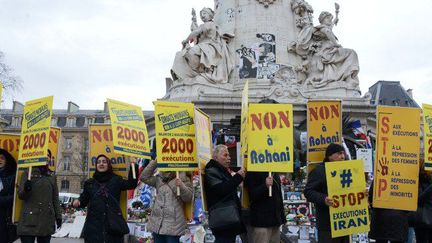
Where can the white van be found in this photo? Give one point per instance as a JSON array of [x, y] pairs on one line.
[[66, 198]]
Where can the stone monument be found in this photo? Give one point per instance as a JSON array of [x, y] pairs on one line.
[[273, 44]]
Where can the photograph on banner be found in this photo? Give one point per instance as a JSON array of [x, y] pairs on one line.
[[270, 138], [12, 141], [204, 146], [324, 126], [346, 185], [365, 155], [130, 132], [36, 121], [175, 136], [396, 166], [101, 142], [427, 136]]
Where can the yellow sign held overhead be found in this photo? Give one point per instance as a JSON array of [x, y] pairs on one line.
[[427, 131], [397, 158], [36, 123], [324, 126], [270, 138], [175, 136], [130, 131]]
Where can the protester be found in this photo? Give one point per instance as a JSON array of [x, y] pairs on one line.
[[266, 213], [7, 181], [387, 224], [316, 192], [40, 210], [167, 220], [220, 186], [102, 196], [422, 218]]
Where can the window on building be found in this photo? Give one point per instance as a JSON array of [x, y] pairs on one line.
[[61, 121], [64, 185], [68, 143], [66, 163], [99, 120], [80, 121]]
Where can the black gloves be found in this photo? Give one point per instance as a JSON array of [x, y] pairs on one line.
[[59, 223], [27, 186]]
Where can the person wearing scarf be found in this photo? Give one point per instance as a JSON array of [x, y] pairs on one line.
[[7, 180], [40, 212], [101, 193]]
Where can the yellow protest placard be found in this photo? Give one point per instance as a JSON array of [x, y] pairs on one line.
[[101, 142], [397, 158], [270, 138], [346, 186], [53, 146], [427, 135], [324, 126], [130, 131], [10, 142], [204, 146], [36, 123], [175, 136]]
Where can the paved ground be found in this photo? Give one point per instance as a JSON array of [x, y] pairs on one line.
[[61, 240]]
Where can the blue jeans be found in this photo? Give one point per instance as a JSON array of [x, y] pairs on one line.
[[165, 238]]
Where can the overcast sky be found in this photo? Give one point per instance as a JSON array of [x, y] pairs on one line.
[[87, 50]]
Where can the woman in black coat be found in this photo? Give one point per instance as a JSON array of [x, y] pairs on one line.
[[7, 180], [102, 193], [422, 218]]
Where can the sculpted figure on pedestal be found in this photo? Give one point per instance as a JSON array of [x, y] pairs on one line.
[[326, 60], [208, 57]]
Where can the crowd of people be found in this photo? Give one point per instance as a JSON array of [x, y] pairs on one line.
[[40, 213]]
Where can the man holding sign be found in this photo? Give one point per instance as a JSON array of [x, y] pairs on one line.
[[316, 192]]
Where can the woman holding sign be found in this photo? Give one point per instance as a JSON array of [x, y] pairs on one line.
[[7, 180], [104, 222], [167, 221], [41, 208]]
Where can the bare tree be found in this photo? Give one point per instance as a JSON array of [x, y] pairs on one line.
[[11, 83]]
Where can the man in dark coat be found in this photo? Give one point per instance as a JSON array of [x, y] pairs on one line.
[[220, 185], [266, 213], [316, 192]]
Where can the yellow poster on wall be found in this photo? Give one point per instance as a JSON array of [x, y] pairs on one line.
[[130, 131], [270, 138], [324, 126], [346, 186], [427, 135], [36, 121], [204, 146], [175, 136], [397, 158], [101, 142], [10, 142]]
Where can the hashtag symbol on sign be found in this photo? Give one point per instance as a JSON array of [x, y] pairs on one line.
[[346, 178]]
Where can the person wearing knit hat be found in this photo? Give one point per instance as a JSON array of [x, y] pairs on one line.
[[316, 192]]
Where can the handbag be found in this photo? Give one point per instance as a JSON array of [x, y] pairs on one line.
[[116, 225], [224, 215]]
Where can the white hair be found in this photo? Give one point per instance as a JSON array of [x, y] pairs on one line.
[[217, 149]]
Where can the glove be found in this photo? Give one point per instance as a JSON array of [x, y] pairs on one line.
[[27, 186], [59, 223]]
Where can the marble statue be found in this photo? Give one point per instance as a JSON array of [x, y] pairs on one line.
[[326, 60], [209, 55]]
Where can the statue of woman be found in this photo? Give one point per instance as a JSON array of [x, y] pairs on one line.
[[327, 60], [210, 57]]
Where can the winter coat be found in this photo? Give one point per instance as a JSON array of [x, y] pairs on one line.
[[99, 203], [315, 192], [388, 224], [265, 211], [40, 206], [6, 203], [219, 184], [167, 215], [424, 203]]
